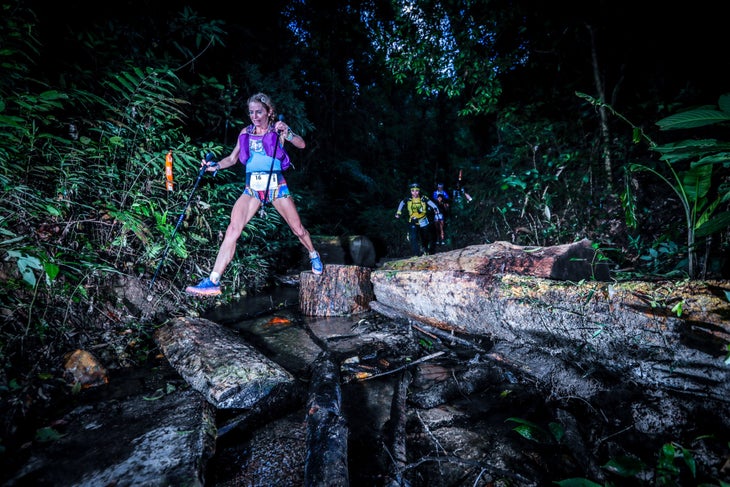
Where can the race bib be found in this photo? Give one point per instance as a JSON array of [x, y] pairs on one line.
[[423, 222], [259, 180]]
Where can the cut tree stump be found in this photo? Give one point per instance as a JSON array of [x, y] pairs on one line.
[[340, 290]]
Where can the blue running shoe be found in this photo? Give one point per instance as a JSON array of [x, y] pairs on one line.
[[317, 266], [205, 288]]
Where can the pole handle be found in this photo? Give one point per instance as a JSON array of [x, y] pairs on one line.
[[209, 157]]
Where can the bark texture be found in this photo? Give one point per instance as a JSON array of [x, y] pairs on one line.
[[570, 262], [219, 365], [340, 290], [568, 334], [326, 461]]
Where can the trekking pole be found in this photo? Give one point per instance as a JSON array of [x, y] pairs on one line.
[[262, 212], [208, 158]]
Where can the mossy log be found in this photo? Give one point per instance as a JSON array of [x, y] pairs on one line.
[[570, 334]]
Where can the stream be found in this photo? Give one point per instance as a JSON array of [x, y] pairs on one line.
[[418, 408], [463, 419]]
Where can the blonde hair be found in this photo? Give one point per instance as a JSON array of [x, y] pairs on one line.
[[265, 100]]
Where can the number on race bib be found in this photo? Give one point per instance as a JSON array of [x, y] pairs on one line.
[[259, 180]]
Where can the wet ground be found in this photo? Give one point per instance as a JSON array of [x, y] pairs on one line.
[[461, 420], [465, 420]]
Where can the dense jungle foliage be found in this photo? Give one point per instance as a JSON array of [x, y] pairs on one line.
[[562, 123]]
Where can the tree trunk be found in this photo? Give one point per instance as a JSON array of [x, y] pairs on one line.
[[570, 262], [326, 461], [339, 291], [670, 335], [605, 134]]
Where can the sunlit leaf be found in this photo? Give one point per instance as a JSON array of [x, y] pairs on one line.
[[51, 269], [714, 224], [26, 264], [529, 430], [690, 461], [697, 182]]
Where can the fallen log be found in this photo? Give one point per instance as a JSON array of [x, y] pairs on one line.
[[398, 436], [171, 434], [662, 347], [326, 460], [569, 262], [216, 362], [669, 335]]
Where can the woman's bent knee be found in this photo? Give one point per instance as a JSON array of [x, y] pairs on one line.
[[234, 231]]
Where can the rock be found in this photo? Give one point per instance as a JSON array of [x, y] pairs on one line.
[[361, 251], [82, 367], [356, 250], [171, 435]]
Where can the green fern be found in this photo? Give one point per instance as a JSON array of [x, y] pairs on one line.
[[692, 186]]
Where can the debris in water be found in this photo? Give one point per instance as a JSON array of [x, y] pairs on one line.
[[278, 320]]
